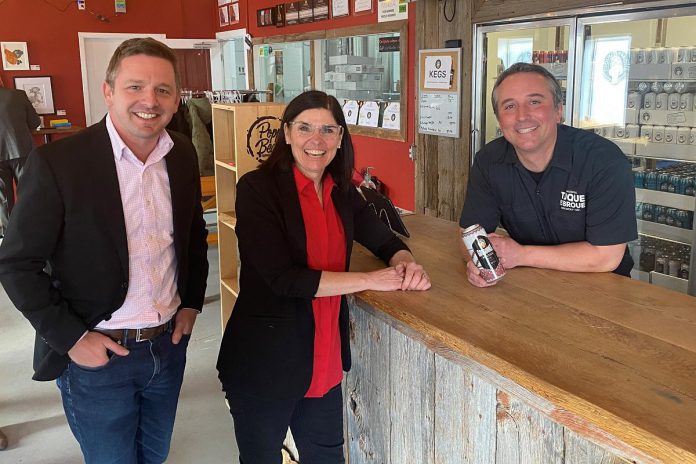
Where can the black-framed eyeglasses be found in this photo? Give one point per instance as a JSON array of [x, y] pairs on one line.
[[328, 132]]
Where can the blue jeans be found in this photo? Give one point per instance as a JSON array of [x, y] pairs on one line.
[[123, 412]]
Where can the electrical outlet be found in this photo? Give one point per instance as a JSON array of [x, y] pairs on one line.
[[81, 4]]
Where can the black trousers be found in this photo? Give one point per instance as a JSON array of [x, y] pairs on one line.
[[10, 171], [260, 426]]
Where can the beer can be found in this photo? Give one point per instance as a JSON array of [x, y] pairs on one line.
[[633, 131], [673, 101], [640, 56], [692, 136], [482, 253], [656, 87], [648, 212], [646, 132], [692, 52], [660, 214], [649, 101], [683, 55], [638, 182], [661, 101], [686, 101], [670, 134], [658, 134], [643, 87], [635, 100], [683, 135], [651, 56], [690, 186]]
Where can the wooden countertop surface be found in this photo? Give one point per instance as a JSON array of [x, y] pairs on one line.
[[617, 353]]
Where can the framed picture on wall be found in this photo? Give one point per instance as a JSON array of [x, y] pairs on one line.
[[234, 13], [363, 6], [223, 2], [14, 56], [39, 91], [340, 8], [224, 16]]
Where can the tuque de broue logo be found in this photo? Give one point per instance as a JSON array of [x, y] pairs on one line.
[[572, 201]]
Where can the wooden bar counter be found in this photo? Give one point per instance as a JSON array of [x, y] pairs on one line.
[[544, 367]]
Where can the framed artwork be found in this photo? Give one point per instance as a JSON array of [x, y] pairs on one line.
[[340, 8], [39, 91], [224, 14], [14, 56], [223, 2], [363, 6], [234, 13]]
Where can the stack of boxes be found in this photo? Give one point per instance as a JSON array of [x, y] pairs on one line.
[[660, 109], [354, 78]]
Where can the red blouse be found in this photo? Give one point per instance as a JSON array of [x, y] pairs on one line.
[[326, 251]]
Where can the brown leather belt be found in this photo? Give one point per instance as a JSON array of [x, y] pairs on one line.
[[139, 335]]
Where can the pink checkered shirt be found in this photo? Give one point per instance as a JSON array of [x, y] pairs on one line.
[[152, 297]]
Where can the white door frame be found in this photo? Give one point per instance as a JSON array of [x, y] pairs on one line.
[[215, 48], [236, 34], [82, 37]]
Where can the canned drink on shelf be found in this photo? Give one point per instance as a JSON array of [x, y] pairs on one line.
[[535, 56], [684, 270], [482, 253], [639, 209], [674, 265], [651, 56], [658, 134], [649, 101], [634, 100], [671, 216], [661, 101], [648, 212], [608, 132], [683, 135], [656, 87], [638, 180], [632, 131], [647, 259], [660, 262], [692, 136], [670, 134], [673, 101], [660, 214], [664, 55], [683, 55], [690, 185], [643, 87], [640, 56], [686, 101], [680, 218], [668, 87], [650, 181], [663, 181], [693, 54]]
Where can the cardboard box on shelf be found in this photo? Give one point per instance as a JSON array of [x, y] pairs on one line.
[[358, 68], [668, 118], [350, 59]]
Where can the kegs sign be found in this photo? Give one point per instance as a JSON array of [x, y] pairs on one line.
[[261, 137]]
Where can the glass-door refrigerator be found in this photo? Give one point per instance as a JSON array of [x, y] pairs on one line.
[[635, 84], [630, 76]]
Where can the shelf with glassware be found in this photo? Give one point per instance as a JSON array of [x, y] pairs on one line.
[[243, 134]]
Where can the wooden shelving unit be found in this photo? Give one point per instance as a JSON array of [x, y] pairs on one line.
[[242, 136]]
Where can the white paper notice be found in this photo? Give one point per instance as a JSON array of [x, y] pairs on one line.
[[339, 8], [392, 10], [350, 111], [392, 116], [362, 5], [369, 114], [438, 72]]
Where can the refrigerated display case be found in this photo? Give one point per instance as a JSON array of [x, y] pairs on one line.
[[630, 77]]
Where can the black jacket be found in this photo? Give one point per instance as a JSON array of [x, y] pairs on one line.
[[70, 215], [268, 346], [17, 121]]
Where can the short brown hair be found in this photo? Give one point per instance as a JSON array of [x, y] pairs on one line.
[[141, 46], [551, 81]]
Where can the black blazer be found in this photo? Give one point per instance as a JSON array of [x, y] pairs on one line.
[[17, 121], [70, 215], [268, 346]]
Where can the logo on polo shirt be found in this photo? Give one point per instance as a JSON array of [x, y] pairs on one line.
[[572, 201]]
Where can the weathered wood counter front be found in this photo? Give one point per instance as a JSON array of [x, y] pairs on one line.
[[545, 367]]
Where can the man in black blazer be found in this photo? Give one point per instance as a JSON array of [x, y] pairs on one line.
[[106, 257], [17, 119]]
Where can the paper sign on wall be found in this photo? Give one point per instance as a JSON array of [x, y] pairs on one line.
[[438, 72], [369, 114], [392, 116], [350, 111]]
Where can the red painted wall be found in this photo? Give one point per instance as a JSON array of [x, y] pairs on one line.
[[389, 159], [50, 29]]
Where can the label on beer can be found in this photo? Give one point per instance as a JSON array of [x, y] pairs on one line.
[[482, 253]]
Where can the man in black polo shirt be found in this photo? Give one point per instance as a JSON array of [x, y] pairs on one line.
[[564, 195]]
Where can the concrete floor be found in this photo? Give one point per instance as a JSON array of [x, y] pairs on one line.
[[31, 414]]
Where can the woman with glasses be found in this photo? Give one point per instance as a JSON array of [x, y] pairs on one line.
[[286, 344]]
